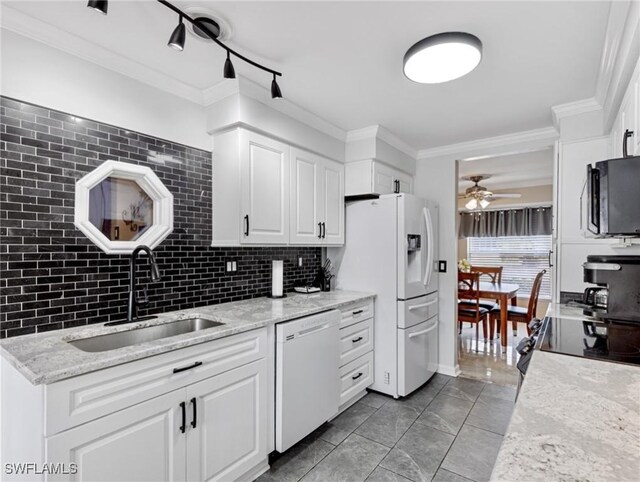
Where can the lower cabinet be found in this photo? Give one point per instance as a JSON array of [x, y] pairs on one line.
[[214, 430], [142, 443], [229, 412]]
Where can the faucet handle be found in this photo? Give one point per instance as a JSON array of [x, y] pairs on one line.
[[145, 298]]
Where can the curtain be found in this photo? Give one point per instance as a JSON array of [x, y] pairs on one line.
[[506, 222]]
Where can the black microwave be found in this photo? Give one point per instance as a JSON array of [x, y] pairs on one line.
[[613, 197]]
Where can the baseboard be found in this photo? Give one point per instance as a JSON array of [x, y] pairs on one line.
[[452, 371], [256, 471]]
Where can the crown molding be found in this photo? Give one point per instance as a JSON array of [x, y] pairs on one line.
[[562, 111], [17, 22], [525, 141], [384, 134], [244, 86]]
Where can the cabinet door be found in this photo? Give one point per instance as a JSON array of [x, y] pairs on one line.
[[264, 186], [332, 183], [306, 209], [405, 182], [143, 442], [230, 436], [383, 179]]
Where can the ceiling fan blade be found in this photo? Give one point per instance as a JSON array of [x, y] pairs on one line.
[[506, 195]]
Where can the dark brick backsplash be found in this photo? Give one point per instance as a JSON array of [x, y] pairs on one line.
[[53, 277]]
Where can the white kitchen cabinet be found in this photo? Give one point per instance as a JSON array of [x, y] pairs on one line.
[[142, 443], [195, 413], [374, 178], [230, 415], [264, 190], [317, 200], [628, 119]]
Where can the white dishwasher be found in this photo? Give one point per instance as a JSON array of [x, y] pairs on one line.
[[307, 377]]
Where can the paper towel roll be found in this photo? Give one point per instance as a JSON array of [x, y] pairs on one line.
[[277, 273]]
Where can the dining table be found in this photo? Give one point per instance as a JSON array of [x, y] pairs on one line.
[[503, 293]]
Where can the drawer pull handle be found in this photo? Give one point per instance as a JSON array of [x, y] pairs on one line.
[[356, 340], [195, 416], [355, 377], [357, 312], [423, 305], [183, 427], [193, 365]]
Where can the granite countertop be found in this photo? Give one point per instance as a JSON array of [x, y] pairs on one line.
[[45, 358], [575, 419], [562, 310]]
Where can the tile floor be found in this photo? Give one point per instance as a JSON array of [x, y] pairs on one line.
[[450, 430], [486, 361]]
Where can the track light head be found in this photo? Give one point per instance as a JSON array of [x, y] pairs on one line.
[[99, 5], [229, 71], [176, 41], [276, 93]]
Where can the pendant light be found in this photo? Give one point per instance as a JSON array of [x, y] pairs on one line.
[[276, 93], [442, 57], [229, 71], [176, 40], [100, 5]]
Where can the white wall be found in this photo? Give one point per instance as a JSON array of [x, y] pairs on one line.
[[34, 72], [437, 180]]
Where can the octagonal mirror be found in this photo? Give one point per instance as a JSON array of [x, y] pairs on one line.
[[120, 206]]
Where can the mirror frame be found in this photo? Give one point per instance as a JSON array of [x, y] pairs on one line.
[[147, 180]]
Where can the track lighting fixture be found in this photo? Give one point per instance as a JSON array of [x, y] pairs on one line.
[[276, 93], [229, 71], [100, 5], [177, 39]]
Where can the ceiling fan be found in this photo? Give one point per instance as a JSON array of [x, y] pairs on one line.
[[480, 196]]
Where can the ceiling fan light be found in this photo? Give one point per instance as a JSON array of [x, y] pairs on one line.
[[176, 41], [442, 57], [99, 5], [484, 203], [471, 204]]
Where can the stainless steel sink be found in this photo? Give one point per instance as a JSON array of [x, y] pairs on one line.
[[142, 335]]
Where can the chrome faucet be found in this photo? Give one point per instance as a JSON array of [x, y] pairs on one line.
[[132, 307]]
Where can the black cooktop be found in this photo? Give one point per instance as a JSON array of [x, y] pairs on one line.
[[615, 341]]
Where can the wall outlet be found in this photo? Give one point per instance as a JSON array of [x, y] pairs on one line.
[[232, 266], [300, 262]]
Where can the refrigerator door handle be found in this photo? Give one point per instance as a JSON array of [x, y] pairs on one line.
[[423, 305], [423, 332], [428, 271]]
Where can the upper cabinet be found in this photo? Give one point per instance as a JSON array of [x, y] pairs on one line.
[[317, 200], [371, 177], [266, 192]]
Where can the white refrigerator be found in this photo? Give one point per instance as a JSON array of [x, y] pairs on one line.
[[391, 249]]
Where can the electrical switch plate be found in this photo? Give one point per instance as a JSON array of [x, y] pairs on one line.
[[234, 266], [300, 262], [228, 266], [442, 266]]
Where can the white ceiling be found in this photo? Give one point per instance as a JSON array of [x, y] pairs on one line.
[[343, 60], [510, 172]]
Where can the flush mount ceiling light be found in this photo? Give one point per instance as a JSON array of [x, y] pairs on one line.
[[205, 28], [442, 57]]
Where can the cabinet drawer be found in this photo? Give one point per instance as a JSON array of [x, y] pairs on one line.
[[417, 310], [356, 340], [355, 377], [356, 312], [80, 399]]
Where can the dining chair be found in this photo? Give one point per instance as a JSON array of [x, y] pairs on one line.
[[493, 274], [469, 308], [520, 314]]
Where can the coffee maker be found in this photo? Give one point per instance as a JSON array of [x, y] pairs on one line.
[[617, 295]]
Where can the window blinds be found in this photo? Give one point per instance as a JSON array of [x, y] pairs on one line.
[[521, 258]]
